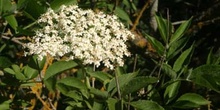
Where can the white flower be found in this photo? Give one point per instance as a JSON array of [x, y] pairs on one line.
[[95, 38]]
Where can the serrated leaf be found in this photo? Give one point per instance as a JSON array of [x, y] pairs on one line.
[[171, 91], [207, 76], [163, 27], [137, 83], [156, 44], [190, 100], [55, 4], [59, 67], [176, 47], [168, 70], [123, 79], [146, 105], [178, 64], [180, 31]]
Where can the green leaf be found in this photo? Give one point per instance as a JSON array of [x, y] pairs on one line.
[[6, 7], [176, 47], [168, 70], [35, 63], [179, 63], [102, 76], [146, 105], [208, 76], [55, 4], [180, 31], [156, 44], [5, 105], [137, 83], [20, 76], [171, 91], [16, 68], [99, 94], [30, 73], [190, 100], [4, 62], [74, 95], [163, 26], [12, 21], [72, 82], [51, 83], [213, 58], [123, 79], [34, 9], [112, 103], [59, 67], [21, 4], [120, 13], [98, 106], [10, 71]]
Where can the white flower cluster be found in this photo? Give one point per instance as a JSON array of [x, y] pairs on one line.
[[94, 38]]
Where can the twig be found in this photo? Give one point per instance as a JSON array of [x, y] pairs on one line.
[[14, 39], [42, 101], [139, 15]]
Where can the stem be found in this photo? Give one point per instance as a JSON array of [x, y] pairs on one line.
[[117, 85], [134, 68], [93, 79]]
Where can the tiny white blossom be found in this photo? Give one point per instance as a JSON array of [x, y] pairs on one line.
[[95, 38]]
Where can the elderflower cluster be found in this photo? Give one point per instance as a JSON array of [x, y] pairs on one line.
[[95, 38]]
